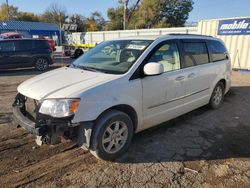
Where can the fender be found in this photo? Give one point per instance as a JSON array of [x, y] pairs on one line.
[[94, 103]]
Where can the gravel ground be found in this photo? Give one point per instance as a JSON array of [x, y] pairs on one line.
[[204, 148]]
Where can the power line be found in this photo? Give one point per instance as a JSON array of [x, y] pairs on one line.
[[130, 15]]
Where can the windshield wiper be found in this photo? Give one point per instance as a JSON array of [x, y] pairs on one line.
[[89, 68], [95, 69]]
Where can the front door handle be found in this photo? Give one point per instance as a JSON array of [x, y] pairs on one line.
[[179, 78], [191, 75]]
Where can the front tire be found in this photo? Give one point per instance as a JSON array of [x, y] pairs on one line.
[[111, 135], [41, 64], [78, 53], [217, 96]]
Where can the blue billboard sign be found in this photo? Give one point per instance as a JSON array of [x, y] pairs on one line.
[[234, 27]]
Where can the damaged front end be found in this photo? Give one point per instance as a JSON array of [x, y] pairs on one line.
[[48, 129]]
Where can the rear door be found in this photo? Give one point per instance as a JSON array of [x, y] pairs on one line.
[[41, 48], [23, 53], [7, 51], [198, 71]]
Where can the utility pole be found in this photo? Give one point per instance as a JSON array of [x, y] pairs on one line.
[[60, 25], [125, 4], [8, 14]]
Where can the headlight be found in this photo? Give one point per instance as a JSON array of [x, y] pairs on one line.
[[59, 107]]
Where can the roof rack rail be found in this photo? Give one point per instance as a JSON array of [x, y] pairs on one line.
[[189, 34]]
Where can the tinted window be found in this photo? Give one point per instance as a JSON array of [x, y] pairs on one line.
[[7, 46], [218, 50], [41, 44], [23, 45], [168, 56], [195, 53]]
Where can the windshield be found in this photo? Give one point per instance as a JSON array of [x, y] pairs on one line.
[[113, 57]]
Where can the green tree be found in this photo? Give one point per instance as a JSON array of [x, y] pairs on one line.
[[163, 13], [147, 15], [174, 13], [95, 22], [13, 12], [28, 16], [115, 16], [151, 14]]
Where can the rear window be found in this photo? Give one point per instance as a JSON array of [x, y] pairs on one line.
[[219, 52], [195, 53]]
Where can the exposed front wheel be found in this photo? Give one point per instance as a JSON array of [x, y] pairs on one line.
[[112, 135], [41, 64], [217, 96]]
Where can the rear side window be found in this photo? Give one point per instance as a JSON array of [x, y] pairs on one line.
[[218, 50], [7, 46], [23, 45], [41, 44], [195, 53]]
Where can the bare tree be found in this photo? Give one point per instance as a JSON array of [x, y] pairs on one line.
[[55, 14]]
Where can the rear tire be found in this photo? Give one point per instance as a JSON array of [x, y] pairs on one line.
[[111, 136], [41, 64], [217, 96]]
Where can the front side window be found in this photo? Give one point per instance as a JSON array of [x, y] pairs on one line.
[[219, 52], [168, 56], [7, 46], [195, 53], [113, 57]]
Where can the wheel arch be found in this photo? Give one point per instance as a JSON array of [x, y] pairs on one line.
[[127, 109], [223, 81]]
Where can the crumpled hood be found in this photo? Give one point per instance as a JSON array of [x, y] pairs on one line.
[[62, 83]]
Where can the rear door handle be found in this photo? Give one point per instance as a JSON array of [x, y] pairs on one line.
[[191, 75], [179, 78]]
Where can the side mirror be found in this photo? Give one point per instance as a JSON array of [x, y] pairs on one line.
[[151, 69]]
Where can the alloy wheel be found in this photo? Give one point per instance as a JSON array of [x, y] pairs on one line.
[[115, 137]]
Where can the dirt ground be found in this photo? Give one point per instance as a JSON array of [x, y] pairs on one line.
[[204, 148]]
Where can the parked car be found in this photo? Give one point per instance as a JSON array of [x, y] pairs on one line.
[[15, 35], [105, 96], [11, 35], [52, 44], [76, 50], [20, 53]]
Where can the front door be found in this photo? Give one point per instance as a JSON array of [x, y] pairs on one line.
[[163, 94], [7, 49]]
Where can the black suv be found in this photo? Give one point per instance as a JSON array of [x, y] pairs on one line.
[[20, 53]]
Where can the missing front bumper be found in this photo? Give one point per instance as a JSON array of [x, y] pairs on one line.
[[50, 130]]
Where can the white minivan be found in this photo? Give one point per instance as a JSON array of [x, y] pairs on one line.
[[121, 87]]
